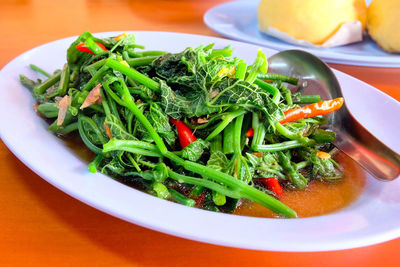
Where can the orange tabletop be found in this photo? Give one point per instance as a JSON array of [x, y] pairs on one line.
[[40, 225]]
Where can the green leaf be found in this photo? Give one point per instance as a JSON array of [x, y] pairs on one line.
[[218, 161], [73, 54], [129, 41], [195, 150], [176, 105], [160, 122], [159, 173], [94, 129], [117, 128], [269, 166], [324, 168], [114, 166], [241, 93], [189, 81], [240, 168]]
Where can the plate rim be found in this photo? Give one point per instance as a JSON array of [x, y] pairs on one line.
[[394, 233]]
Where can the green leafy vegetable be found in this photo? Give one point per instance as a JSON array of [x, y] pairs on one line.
[[128, 123]]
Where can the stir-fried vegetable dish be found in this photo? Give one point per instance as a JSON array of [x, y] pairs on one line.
[[200, 127]]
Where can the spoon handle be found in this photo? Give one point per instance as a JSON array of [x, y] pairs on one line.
[[363, 147]]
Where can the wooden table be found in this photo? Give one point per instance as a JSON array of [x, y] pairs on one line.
[[40, 225]]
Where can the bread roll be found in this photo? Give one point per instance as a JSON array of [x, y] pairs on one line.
[[384, 23], [311, 20]]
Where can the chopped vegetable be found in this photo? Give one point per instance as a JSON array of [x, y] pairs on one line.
[[185, 135], [312, 110], [272, 184], [93, 97], [62, 109], [121, 36], [125, 105], [250, 132], [84, 48], [323, 155]]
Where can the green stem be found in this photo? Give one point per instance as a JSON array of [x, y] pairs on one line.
[[197, 189], [49, 110], [216, 144], [287, 94], [245, 190], [134, 74], [82, 133], [225, 121], [41, 71], [104, 103], [286, 132], [276, 95], [296, 178], [227, 146], [64, 81], [113, 95], [175, 158], [140, 61], [204, 183], [307, 99], [41, 88], [134, 163], [291, 135], [281, 146], [240, 72], [277, 77], [130, 104], [95, 66], [161, 190], [95, 163], [178, 197], [260, 64], [259, 131], [69, 128], [113, 108], [147, 53], [92, 82], [218, 198], [224, 52], [237, 136], [90, 43], [26, 82], [302, 165], [132, 146]]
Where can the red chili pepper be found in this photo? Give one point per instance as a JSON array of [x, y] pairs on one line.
[[312, 110], [272, 184], [185, 135], [250, 132], [83, 48]]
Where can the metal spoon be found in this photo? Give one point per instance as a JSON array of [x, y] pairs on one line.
[[351, 137]]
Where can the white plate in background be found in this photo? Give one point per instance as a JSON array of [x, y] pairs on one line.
[[238, 20]]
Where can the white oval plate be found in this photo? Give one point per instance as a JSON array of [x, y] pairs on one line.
[[373, 218], [238, 20]]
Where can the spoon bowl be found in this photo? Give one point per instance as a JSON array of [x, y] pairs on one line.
[[315, 77]]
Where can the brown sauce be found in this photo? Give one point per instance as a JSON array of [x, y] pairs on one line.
[[318, 199], [74, 142]]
